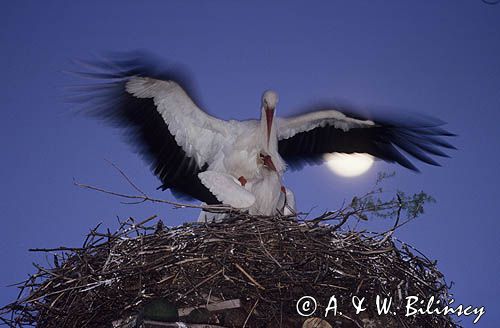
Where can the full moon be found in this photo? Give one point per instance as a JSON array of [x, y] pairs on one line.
[[349, 165]]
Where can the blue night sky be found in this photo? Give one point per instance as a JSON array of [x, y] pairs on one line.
[[440, 58]]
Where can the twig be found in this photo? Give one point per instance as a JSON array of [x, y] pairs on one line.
[[143, 198], [250, 313]]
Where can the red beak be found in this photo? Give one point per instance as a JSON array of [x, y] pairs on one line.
[[268, 162], [269, 119]]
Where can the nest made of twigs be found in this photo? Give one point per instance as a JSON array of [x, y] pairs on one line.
[[266, 263]]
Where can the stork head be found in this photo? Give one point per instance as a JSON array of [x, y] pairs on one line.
[[269, 101]]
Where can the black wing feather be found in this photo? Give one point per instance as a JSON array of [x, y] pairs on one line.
[[385, 140], [144, 126]]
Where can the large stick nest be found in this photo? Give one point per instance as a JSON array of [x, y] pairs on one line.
[[267, 263]]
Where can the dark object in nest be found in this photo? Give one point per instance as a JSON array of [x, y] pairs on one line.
[[249, 271]]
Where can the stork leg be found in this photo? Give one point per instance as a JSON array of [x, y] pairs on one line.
[[289, 203]]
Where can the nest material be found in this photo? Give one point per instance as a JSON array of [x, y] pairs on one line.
[[265, 263]]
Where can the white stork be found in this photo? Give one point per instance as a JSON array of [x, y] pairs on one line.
[[239, 163]]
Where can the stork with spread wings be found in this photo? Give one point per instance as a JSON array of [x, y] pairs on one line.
[[239, 163]]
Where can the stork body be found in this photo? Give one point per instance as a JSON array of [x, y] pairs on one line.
[[250, 161], [240, 163]]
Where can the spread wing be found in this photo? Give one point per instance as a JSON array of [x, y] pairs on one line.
[[174, 135], [304, 139]]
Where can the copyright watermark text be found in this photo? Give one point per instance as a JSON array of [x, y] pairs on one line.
[[413, 305]]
